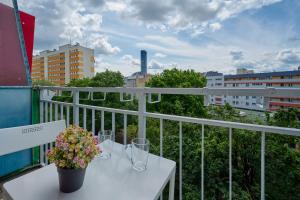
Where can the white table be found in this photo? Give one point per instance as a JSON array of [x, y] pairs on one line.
[[112, 179]]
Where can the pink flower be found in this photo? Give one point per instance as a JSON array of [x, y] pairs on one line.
[[65, 146], [48, 152], [81, 163], [88, 150], [95, 140], [75, 160]]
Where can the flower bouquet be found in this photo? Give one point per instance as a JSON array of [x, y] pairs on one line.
[[74, 149]]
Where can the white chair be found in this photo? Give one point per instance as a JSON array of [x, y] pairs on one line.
[[24, 137]]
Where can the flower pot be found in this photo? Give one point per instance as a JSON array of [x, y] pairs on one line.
[[70, 180]]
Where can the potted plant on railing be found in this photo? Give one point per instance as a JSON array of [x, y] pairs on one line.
[[75, 148]]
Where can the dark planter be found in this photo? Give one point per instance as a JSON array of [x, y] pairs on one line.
[[70, 180]]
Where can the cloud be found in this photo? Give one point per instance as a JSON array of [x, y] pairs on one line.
[[59, 21], [150, 10], [215, 26], [129, 59], [7, 2], [101, 45], [289, 56], [160, 55], [237, 55], [154, 64], [192, 15], [117, 6]]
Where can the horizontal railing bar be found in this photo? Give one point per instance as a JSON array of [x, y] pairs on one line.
[[115, 110], [15, 87], [57, 102], [227, 124], [237, 91]]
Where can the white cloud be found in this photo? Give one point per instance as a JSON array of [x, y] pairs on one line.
[[215, 26], [237, 55], [130, 60], [59, 21], [117, 6], [189, 14], [160, 55], [289, 56], [76, 24], [102, 46], [154, 64]]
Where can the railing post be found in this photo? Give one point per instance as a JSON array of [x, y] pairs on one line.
[[262, 166], [75, 107], [141, 96], [205, 97]]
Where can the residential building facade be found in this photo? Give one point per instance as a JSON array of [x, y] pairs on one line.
[[255, 80], [62, 65], [137, 80]]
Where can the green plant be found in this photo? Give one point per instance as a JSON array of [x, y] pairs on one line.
[[75, 148]]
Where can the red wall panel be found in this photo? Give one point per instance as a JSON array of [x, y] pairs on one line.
[[28, 24], [12, 69]]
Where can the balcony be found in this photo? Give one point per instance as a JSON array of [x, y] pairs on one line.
[[221, 145]]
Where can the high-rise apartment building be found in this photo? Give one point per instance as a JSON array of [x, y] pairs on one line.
[[144, 61], [139, 79], [62, 65], [255, 80]]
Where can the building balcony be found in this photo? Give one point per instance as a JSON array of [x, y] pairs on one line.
[[174, 136]]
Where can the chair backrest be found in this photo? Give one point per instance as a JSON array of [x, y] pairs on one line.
[[24, 137]]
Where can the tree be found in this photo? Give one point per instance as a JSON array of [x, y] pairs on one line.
[[190, 105], [112, 100], [42, 83], [286, 118], [107, 79]]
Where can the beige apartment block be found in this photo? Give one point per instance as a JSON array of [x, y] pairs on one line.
[[62, 65]]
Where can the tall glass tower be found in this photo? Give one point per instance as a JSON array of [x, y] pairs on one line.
[[144, 61]]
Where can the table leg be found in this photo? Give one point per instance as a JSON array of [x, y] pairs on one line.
[[172, 185]]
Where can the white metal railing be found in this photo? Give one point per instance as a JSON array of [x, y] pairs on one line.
[[141, 94]]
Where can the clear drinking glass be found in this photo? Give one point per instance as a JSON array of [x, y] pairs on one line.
[[105, 138], [139, 153]]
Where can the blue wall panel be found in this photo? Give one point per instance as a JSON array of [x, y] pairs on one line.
[[15, 110]]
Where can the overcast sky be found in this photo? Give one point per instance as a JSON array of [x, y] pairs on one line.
[[203, 35]]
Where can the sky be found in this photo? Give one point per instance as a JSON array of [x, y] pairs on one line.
[[204, 35]]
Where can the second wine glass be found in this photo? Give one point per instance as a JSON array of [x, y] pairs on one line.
[[106, 139]]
